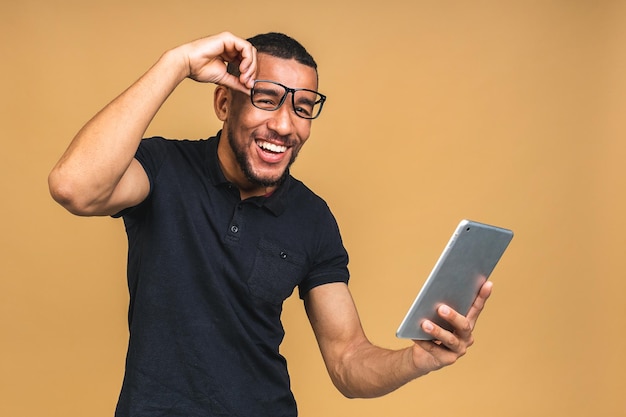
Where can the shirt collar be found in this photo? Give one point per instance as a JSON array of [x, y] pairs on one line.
[[275, 203]]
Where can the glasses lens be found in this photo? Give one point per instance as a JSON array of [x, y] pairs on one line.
[[268, 95], [307, 103]]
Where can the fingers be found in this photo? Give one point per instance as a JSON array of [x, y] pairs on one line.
[[243, 55], [248, 66], [448, 346], [459, 339], [479, 302], [207, 59]]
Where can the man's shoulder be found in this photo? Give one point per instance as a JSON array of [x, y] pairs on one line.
[[162, 148], [160, 141], [305, 196], [297, 186]]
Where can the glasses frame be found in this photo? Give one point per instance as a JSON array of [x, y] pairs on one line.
[[288, 90]]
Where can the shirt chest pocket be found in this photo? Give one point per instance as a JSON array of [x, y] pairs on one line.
[[276, 272]]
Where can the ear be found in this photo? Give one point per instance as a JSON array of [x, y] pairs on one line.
[[222, 100]]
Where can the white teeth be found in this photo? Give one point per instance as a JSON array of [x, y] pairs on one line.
[[271, 147]]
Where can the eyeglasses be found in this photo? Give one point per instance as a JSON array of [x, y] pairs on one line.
[[270, 95]]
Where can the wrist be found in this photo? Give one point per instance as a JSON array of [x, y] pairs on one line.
[[416, 361], [176, 63]]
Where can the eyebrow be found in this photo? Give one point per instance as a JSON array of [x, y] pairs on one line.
[[304, 100], [276, 91]]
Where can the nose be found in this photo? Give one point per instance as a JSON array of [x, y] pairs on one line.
[[282, 119]]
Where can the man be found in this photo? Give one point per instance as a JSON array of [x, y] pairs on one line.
[[220, 235]]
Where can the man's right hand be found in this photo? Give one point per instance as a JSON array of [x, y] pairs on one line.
[[206, 58]]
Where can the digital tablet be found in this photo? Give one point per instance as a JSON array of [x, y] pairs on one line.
[[463, 267]]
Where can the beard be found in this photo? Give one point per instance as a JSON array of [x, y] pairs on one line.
[[246, 167]]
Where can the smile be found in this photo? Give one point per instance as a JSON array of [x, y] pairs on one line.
[[271, 147]]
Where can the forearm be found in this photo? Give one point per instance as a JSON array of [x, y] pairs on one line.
[[369, 371], [357, 367], [360, 369], [103, 149]]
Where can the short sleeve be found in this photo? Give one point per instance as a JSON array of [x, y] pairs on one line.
[[331, 264], [150, 154]]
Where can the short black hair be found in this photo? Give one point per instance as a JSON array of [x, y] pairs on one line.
[[282, 46], [278, 45]]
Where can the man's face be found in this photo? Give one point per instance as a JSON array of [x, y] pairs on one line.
[[260, 145]]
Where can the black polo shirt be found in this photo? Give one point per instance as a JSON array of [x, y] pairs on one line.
[[207, 275]]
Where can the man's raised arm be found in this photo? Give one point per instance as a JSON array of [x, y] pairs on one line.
[[97, 174]]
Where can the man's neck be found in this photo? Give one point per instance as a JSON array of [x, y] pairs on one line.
[[235, 176], [258, 192]]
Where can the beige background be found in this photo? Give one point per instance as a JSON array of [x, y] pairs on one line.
[[508, 112]]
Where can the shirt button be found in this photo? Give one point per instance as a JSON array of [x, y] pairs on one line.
[[234, 229], [283, 255]]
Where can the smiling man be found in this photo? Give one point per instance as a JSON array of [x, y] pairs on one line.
[[261, 146], [220, 234]]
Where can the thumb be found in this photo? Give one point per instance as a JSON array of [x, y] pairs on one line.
[[236, 83]]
